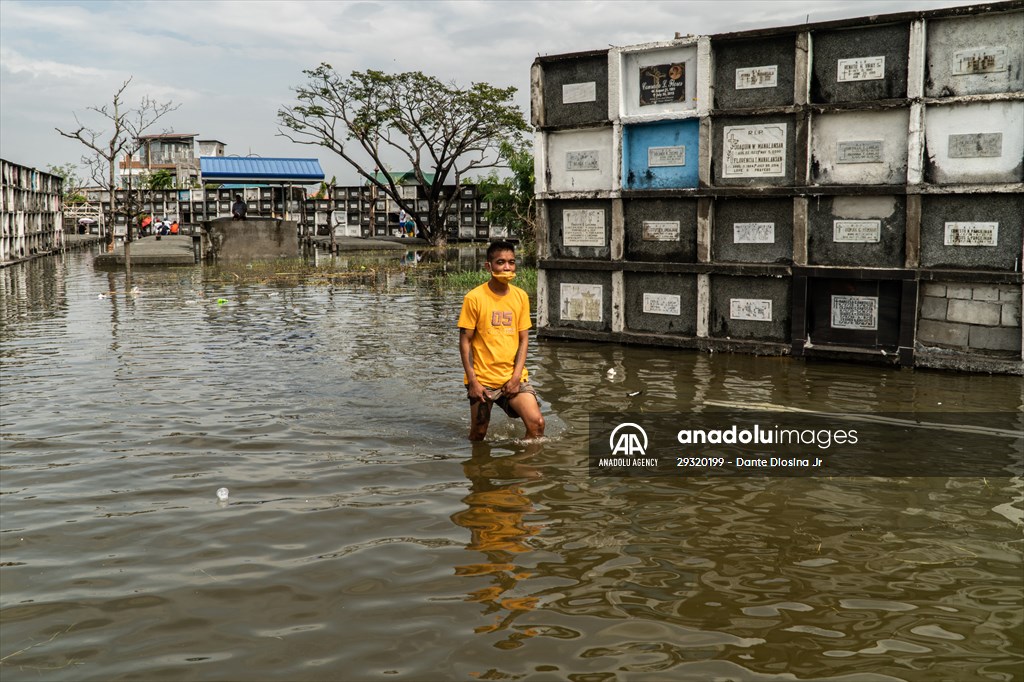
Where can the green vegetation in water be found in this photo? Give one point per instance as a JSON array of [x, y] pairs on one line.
[[365, 268], [294, 270], [526, 278]]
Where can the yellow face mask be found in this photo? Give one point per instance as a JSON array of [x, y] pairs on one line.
[[503, 277]]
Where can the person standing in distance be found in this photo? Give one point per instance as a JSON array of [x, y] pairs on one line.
[[239, 208], [494, 329]]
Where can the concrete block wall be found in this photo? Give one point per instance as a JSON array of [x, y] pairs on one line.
[[254, 239], [965, 316], [791, 190], [31, 217]]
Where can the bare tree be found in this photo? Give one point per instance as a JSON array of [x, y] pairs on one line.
[[119, 136], [441, 130]]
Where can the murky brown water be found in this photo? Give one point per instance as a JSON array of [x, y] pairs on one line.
[[365, 539]]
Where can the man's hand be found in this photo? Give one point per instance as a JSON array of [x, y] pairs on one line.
[[476, 391], [511, 386]]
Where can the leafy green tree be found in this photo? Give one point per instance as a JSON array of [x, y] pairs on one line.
[[160, 179], [442, 131], [511, 198], [324, 192], [71, 187]]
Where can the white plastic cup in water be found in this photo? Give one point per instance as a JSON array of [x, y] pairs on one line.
[[222, 494]]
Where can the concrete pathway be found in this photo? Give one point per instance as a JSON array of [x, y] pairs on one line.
[[179, 249], [167, 250]]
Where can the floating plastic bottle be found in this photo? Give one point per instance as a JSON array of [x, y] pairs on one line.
[[222, 494]]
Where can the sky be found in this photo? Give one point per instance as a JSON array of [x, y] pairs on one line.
[[232, 64]]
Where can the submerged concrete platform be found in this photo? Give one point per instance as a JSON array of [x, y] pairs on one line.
[[167, 250], [78, 241], [69, 242], [370, 243]]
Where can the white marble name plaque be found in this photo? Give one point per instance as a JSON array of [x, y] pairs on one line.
[[583, 160], [976, 146], [583, 227], [581, 302], [753, 233], [756, 309], [757, 77], [861, 69], [662, 304], [575, 93], [859, 151], [971, 234], [857, 231], [661, 230], [666, 156], [979, 60], [855, 312], [754, 151]]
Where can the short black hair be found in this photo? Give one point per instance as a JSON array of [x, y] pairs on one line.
[[500, 245]]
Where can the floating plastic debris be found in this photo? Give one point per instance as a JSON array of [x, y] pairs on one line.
[[221, 301], [222, 494]]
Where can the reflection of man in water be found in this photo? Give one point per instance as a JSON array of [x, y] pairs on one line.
[[496, 507]]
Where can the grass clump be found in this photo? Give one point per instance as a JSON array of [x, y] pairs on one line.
[[363, 268], [526, 278]]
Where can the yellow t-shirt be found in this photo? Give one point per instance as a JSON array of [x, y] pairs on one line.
[[497, 321]]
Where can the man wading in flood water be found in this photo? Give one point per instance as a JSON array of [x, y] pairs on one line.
[[494, 329]]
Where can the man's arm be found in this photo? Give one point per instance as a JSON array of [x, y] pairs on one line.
[[476, 389]]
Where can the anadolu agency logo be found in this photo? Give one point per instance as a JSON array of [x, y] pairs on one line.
[[628, 445], [628, 439]]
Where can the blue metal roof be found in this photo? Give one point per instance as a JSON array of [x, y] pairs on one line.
[[256, 169]]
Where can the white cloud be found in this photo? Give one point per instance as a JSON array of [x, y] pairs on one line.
[[46, 18], [21, 65]]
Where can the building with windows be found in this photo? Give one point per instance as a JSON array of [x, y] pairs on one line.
[[173, 152], [364, 211], [275, 187]]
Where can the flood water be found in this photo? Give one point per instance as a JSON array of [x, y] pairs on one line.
[[365, 539]]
